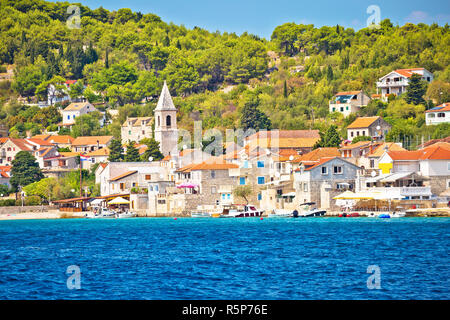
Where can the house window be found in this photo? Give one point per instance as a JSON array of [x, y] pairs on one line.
[[305, 187], [261, 180], [148, 177], [246, 164], [351, 134], [129, 132], [324, 170], [346, 108], [213, 174], [213, 190], [342, 109], [441, 115], [242, 180], [168, 121], [431, 115], [228, 196], [134, 184], [260, 164], [337, 169], [68, 117], [259, 197], [92, 160], [122, 186], [372, 163], [223, 196], [363, 133], [357, 133]]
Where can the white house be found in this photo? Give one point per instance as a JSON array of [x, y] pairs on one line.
[[75, 110], [348, 102], [136, 129], [439, 114], [397, 81]]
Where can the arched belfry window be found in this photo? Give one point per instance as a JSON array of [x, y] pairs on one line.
[[159, 121], [168, 121]]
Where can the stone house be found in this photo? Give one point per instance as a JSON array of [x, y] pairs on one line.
[[374, 127], [136, 129], [323, 181]]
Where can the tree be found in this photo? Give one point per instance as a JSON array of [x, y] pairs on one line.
[[243, 192], [416, 90], [25, 170], [76, 89], [132, 154], [361, 138], [152, 150], [115, 151], [329, 139], [86, 125], [252, 117], [285, 90]]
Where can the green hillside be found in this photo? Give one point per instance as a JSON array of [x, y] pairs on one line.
[[123, 57]]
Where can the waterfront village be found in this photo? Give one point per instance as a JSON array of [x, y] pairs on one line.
[[274, 172]]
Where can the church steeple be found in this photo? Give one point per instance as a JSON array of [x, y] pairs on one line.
[[165, 99], [166, 132]]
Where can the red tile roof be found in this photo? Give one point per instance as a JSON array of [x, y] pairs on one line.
[[441, 108], [123, 175], [407, 72], [362, 122], [437, 151]]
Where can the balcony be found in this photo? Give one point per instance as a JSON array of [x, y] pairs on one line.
[[384, 84]]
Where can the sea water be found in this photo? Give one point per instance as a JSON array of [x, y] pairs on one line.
[[241, 258]]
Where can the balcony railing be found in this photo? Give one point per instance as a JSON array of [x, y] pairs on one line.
[[392, 83]]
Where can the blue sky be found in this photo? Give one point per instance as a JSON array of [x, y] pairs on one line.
[[262, 16]]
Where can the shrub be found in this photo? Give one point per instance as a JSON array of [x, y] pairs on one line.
[[7, 202], [32, 201]]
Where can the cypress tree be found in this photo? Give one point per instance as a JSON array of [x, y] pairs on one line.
[[115, 151], [132, 153], [416, 90], [285, 91]]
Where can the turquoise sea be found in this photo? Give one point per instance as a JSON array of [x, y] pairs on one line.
[[247, 258]]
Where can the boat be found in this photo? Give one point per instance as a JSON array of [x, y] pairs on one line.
[[280, 213], [307, 212], [102, 213], [349, 215], [241, 211], [200, 214], [384, 216], [126, 214]]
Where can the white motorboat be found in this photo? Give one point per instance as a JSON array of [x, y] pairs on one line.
[[242, 211], [307, 211], [127, 214], [200, 214], [102, 213], [280, 213]]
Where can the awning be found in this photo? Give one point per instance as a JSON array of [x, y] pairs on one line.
[[119, 200], [289, 194], [396, 176], [96, 202], [187, 185]]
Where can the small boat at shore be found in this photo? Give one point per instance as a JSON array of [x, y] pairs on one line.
[[201, 214], [242, 211], [126, 214], [306, 211], [280, 213]]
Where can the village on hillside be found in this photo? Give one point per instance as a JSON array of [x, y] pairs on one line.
[[276, 171]]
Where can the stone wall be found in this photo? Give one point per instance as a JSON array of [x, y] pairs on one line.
[[19, 209]]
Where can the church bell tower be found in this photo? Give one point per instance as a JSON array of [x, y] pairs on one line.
[[166, 132]]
